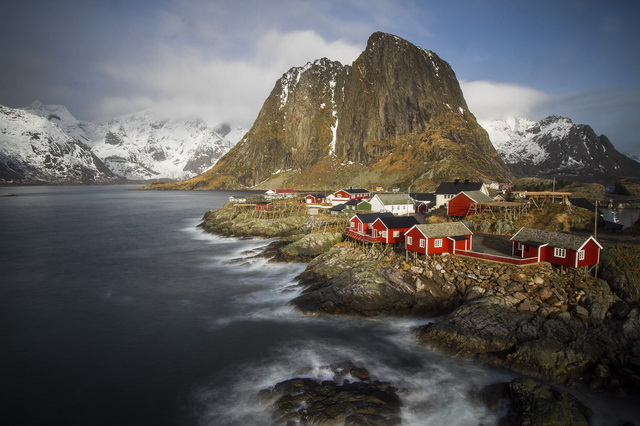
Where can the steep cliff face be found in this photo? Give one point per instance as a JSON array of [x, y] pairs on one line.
[[395, 117]]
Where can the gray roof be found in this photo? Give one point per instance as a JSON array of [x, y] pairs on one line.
[[448, 229], [478, 196], [395, 199], [554, 239]]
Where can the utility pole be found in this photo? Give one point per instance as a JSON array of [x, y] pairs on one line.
[[595, 226]]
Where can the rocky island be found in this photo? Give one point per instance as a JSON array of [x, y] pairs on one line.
[[548, 323]]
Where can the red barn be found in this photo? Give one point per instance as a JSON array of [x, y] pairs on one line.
[[557, 248], [467, 203], [392, 229], [438, 238]]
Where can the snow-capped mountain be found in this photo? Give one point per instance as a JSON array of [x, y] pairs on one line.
[[556, 146], [139, 146], [136, 146], [85, 132], [34, 150]]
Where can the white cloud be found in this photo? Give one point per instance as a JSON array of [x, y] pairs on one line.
[[489, 100], [191, 81]]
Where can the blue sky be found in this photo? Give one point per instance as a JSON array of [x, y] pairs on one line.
[[220, 59]]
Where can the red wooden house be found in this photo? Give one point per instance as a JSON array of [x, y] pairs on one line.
[[344, 195], [468, 203], [392, 229], [264, 205], [360, 226], [438, 238], [314, 198], [556, 247]]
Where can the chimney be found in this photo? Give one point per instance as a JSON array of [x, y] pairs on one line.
[[457, 181], [466, 181]]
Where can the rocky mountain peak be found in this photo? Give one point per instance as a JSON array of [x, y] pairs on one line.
[[396, 115]]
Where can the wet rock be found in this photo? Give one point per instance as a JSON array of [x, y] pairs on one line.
[[304, 400], [308, 247], [533, 403]]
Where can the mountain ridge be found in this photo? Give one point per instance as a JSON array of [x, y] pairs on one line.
[[133, 147], [555, 146]]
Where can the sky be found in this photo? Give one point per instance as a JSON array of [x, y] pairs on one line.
[[220, 59]]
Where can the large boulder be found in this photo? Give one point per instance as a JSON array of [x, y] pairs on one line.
[[349, 398], [620, 267]]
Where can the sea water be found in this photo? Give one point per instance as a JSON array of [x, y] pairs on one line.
[[117, 310]]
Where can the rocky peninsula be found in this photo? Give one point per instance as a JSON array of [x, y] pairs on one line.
[[559, 325]]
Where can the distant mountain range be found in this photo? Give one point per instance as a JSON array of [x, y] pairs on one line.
[[556, 146], [47, 144]]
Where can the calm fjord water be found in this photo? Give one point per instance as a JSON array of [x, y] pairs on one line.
[[115, 309]]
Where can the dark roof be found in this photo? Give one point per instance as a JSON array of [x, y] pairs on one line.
[[355, 191], [315, 195], [454, 188], [582, 202], [353, 202], [399, 221], [554, 239], [371, 217], [423, 196], [337, 208]]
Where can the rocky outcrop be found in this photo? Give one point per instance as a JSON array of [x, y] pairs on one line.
[[349, 398], [556, 324], [347, 281], [395, 117], [308, 247], [530, 402]]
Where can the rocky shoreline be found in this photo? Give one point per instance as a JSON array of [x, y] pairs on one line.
[[551, 324]]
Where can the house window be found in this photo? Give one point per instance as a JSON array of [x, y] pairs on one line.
[[581, 255], [384, 234], [520, 246], [396, 234], [422, 242], [437, 243], [410, 241], [559, 252]]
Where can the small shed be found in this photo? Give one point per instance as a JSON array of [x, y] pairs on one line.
[[264, 205], [558, 248], [314, 198], [435, 238]]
